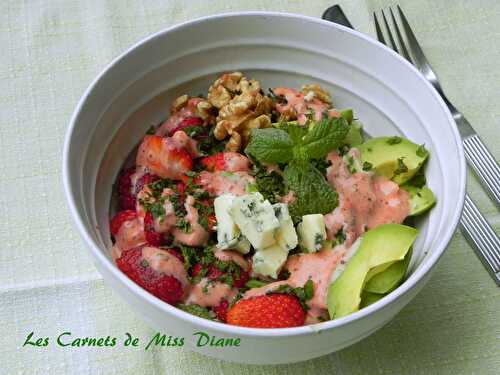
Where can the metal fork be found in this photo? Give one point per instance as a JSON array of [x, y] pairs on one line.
[[474, 226], [476, 153]]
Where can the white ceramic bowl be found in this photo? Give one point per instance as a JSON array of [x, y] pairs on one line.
[[134, 91]]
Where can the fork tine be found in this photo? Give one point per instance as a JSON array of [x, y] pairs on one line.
[[391, 39], [400, 38], [413, 45], [380, 35]]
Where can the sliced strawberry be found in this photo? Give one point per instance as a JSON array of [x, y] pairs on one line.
[[166, 287], [196, 269], [144, 180], [152, 237], [214, 162], [179, 162], [212, 222], [214, 273], [125, 196], [187, 122], [176, 253], [119, 219], [181, 187], [240, 280], [267, 311], [221, 310]]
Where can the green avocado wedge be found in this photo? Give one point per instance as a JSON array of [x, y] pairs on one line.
[[368, 298], [388, 280], [395, 158], [354, 136], [379, 246], [421, 199]]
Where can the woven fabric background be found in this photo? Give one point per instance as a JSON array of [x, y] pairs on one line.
[[49, 53]]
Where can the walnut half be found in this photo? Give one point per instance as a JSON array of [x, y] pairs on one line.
[[242, 107]]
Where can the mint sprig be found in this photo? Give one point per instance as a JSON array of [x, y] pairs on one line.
[[312, 193], [270, 145], [324, 136]]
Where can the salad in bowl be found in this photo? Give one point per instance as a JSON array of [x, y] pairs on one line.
[[268, 209]]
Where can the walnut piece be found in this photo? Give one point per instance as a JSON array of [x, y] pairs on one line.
[[316, 91], [242, 107]]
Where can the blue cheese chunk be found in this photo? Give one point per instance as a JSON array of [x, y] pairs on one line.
[[228, 233], [268, 261], [243, 245], [286, 236], [256, 219], [312, 232]]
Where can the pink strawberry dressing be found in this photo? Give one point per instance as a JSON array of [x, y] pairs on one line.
[[210, 293], [164, 262], [365, 201]]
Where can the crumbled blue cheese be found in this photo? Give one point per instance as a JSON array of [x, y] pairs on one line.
[[286, 236], [312, 232], [268, 261], [255, 218], [228, 232]]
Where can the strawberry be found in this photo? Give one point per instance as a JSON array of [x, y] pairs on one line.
[[165, 287], [119, 219], [226, 161], [152, 237], [240, 280], [212, 222], [188, 121], [125, 196], [196, 269], [214, 162], [176, 253], [267, 311], [221, 310], [213, 272], [144, 180], [179, 162]]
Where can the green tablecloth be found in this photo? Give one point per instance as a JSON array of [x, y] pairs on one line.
[[50, 52]]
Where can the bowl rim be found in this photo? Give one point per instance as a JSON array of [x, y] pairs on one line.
[[224, 328]]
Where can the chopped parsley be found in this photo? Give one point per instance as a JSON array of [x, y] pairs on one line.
[[254, 283], [422, 151], [394, 140], [402, 168], [270, 184], [367, 166], [197, 310], [303, 294]]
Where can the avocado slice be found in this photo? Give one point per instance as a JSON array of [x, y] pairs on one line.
[[396, 158], [381, 245], [354, 136], [348, 115], [368, 298], [388, 280], [421, 199]]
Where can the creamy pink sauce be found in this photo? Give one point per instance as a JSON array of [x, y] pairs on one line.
[[163, 262], [165, 223], [297, 104], [156, 155], [189, 110], [210, 293], [130, 235], [222, 182], [235, 162], [181, 139], [317, 267], [229, 255], [198, 236], [365, 201]]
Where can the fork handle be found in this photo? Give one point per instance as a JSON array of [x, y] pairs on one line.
[[484, 164], [481, 237]]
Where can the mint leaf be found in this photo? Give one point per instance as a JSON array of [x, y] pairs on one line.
[[325, 136], [312, 192], [270, 145], [197, 310]]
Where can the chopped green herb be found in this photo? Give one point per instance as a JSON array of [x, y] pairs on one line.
[[367, 166], [254, 283], [197, 310], [151, 130], [422, 151], [402, 168], [394, 140]]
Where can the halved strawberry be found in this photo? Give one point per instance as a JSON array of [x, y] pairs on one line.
[[196, 269], [179, 162], [119, 219], [125, 196], [221, 310], [267, 311], [240, 280], [152, 237], [187, 122], [166, 287], [144, 180], [214, 162]]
